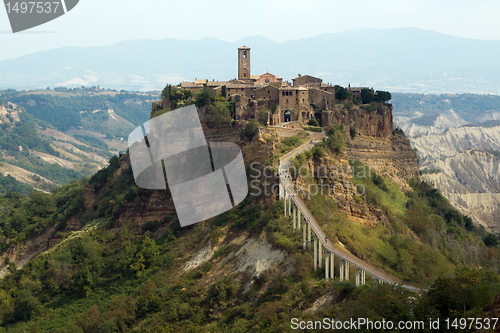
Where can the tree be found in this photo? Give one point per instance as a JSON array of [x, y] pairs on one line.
[[352, 131], [335, 141], [491, 240], [341, 93], [250, 129], [205, 97], [383, 96], [366, 95], [219, 115]]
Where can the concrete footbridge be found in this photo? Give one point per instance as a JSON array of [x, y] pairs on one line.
[[302, 218]]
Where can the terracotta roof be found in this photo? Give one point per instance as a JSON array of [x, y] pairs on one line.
[[255, 76], [200, 81], [244, 48]]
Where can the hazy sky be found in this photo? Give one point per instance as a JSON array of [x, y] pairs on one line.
[[105, 22]]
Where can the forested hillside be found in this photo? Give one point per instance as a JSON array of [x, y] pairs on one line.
[[51, 137], [122, 271]]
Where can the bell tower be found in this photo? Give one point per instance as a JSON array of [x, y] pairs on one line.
[[244, 64]]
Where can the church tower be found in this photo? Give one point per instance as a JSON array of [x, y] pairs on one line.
[[244, 64]]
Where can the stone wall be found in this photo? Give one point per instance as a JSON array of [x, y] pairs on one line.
[[320, 98]]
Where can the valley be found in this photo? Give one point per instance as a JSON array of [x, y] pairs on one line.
[[457, 146]]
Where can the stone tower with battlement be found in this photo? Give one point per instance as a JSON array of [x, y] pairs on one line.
[[244, 64]]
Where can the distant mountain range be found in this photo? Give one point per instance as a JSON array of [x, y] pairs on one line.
[[399, 60]]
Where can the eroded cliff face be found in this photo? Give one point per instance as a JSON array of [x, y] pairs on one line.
[[375, 142], [377, 123], [471, 181]]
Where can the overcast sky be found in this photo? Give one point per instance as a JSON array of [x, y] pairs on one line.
[[106, 22]]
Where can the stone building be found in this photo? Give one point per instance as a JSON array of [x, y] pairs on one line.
[[305, 99]]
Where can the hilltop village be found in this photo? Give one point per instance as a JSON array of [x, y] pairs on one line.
[[270, 99]]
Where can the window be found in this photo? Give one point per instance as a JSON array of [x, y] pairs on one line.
[[302, 100], [244, 54], [283, 93], [287, 100], [267, 80], [268, 91], [244, 74]]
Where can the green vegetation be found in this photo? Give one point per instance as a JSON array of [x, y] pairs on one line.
[[430, 171], [64, 113], [370, 107], [111, 277], [352, 131], [249, 130], [313, 122], [95, 142], [366, 96], [10, 183], [23, 135], [290, 143], [336, 139], [423, 230], [53, 172], [312, 128], [426, 120], [218, 115], [340, 93]]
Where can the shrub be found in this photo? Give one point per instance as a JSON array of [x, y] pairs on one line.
[[372, 107], [313, 122], [352, 132], [218, 115], [249, 130]]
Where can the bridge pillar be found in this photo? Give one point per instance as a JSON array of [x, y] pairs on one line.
[[315, 254], [332, 265], [320, 251], [303, 221], [280, 190], [346, 270], [299, 221], [284, 202], [327, 261], [356, 275], [294, 213], [309, 233], [363, 277], [289, 204], [341, 269]]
